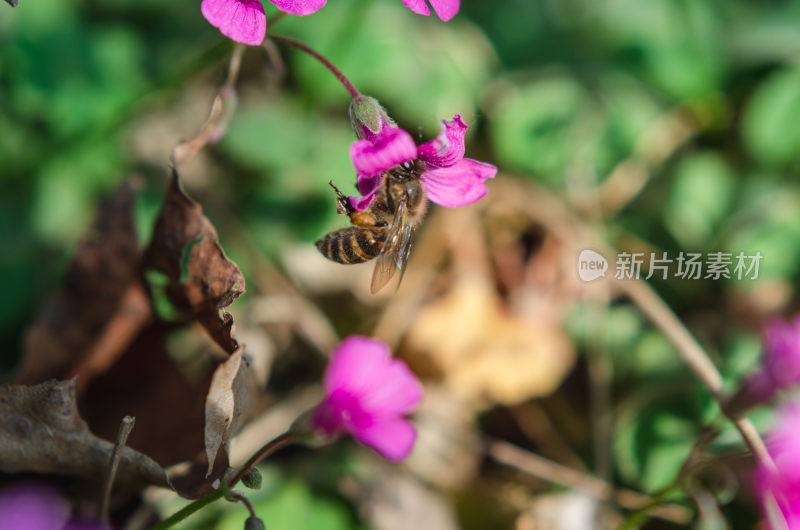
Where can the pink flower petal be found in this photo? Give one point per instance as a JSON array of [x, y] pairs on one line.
[[447, 149], [357, 366], [361, 203], [241, 20], [446, 9], [368, 185], [391, 147], [399, 394], [418, 6], [299, 7], [392, 437], [458, 185], [781, 488]]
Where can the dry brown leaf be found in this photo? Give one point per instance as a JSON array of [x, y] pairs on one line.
[[485, 353], [225, 404], [74, 320], [43, 433], [202, 279]]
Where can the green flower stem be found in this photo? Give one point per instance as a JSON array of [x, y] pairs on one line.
[[189, 509], [351, 89], [638, 517], [270, 447]]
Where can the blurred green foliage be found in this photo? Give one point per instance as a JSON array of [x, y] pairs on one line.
[[554, 91]]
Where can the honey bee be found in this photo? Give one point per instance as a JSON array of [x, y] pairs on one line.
[[385, 230]]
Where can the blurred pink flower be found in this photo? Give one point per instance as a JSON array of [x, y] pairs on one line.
[[780, 367], [240, 20], [32, 505], [367, 394], [445, 9], [449, 178], [779, 490], [782, 356]]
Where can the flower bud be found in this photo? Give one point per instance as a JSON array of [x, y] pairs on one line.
[[252, 479], [367, 116], [254, 523]]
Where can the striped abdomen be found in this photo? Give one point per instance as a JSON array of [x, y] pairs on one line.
[[352, 245]]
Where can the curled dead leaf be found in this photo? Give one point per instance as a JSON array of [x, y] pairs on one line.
[[225, 403], [202, 280], [43, 433]]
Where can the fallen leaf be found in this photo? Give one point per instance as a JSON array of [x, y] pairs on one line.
[[483, 352], [43, 433], [70, 324], [202, 279], [225, 404]]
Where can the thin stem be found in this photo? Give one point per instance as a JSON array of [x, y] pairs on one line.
[[274, 19], [238, 497], [219, 115], [189, 509], [695, 357], [270, 447], [543, 468], [639, 516], [351, 89], [125, 429]]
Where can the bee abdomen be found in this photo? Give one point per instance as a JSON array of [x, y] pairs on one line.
[[351, 245]]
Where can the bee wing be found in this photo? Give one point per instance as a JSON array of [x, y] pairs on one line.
[[404, 251], [394, 254]]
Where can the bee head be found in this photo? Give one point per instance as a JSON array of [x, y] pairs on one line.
[[407, 170], [405, 179]]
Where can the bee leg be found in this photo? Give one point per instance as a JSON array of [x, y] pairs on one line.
[[365, 219], [343, 205]]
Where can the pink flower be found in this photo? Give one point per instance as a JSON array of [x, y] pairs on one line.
[[367, 394], [781, 363], [779, 489], [446, 9], [244, 20], [449, 179], [241, 20]]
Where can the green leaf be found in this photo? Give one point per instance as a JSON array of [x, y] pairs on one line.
[[532, 126], [699, 199], [675, 44], [654, 435], [769, 127], [768, 221], [291, 507]]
